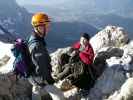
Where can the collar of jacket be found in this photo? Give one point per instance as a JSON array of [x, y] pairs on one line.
[[40, 39]]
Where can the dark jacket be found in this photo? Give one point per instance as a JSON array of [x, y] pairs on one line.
[[40, 57]]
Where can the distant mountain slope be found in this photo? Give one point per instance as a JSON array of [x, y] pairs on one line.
[[94, 12], [120, 7], [101, 21], [14, 18], [6, 36], [65, 33]]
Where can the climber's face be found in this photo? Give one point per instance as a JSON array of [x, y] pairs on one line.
[[83, 41], [42, 30]]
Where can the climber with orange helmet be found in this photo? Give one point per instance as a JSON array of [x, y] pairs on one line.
[[40, 23], [39, 54]]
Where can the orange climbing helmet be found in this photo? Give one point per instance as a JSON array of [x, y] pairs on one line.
[[39, 19]]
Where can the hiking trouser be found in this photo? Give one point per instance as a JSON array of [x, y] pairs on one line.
[[46, 92], [64, 73], [38, 91], [87, 79], [65, 65]]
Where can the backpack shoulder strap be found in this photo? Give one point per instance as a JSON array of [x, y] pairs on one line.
[[29, 43], [32, 41]]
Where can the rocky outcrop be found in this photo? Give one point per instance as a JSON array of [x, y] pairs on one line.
[[55, 59], [125, 93], [4, 60], [14, 90], [110, 36], [113, 66], [118, 70]]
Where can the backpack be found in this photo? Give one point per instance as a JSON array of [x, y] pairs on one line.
[[22, 65]]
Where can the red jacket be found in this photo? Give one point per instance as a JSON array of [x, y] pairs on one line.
[[86, 55]]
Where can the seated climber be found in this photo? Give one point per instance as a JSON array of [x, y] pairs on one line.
[[78, 67]]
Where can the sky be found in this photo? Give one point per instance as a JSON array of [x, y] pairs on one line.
[[39, 2]]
